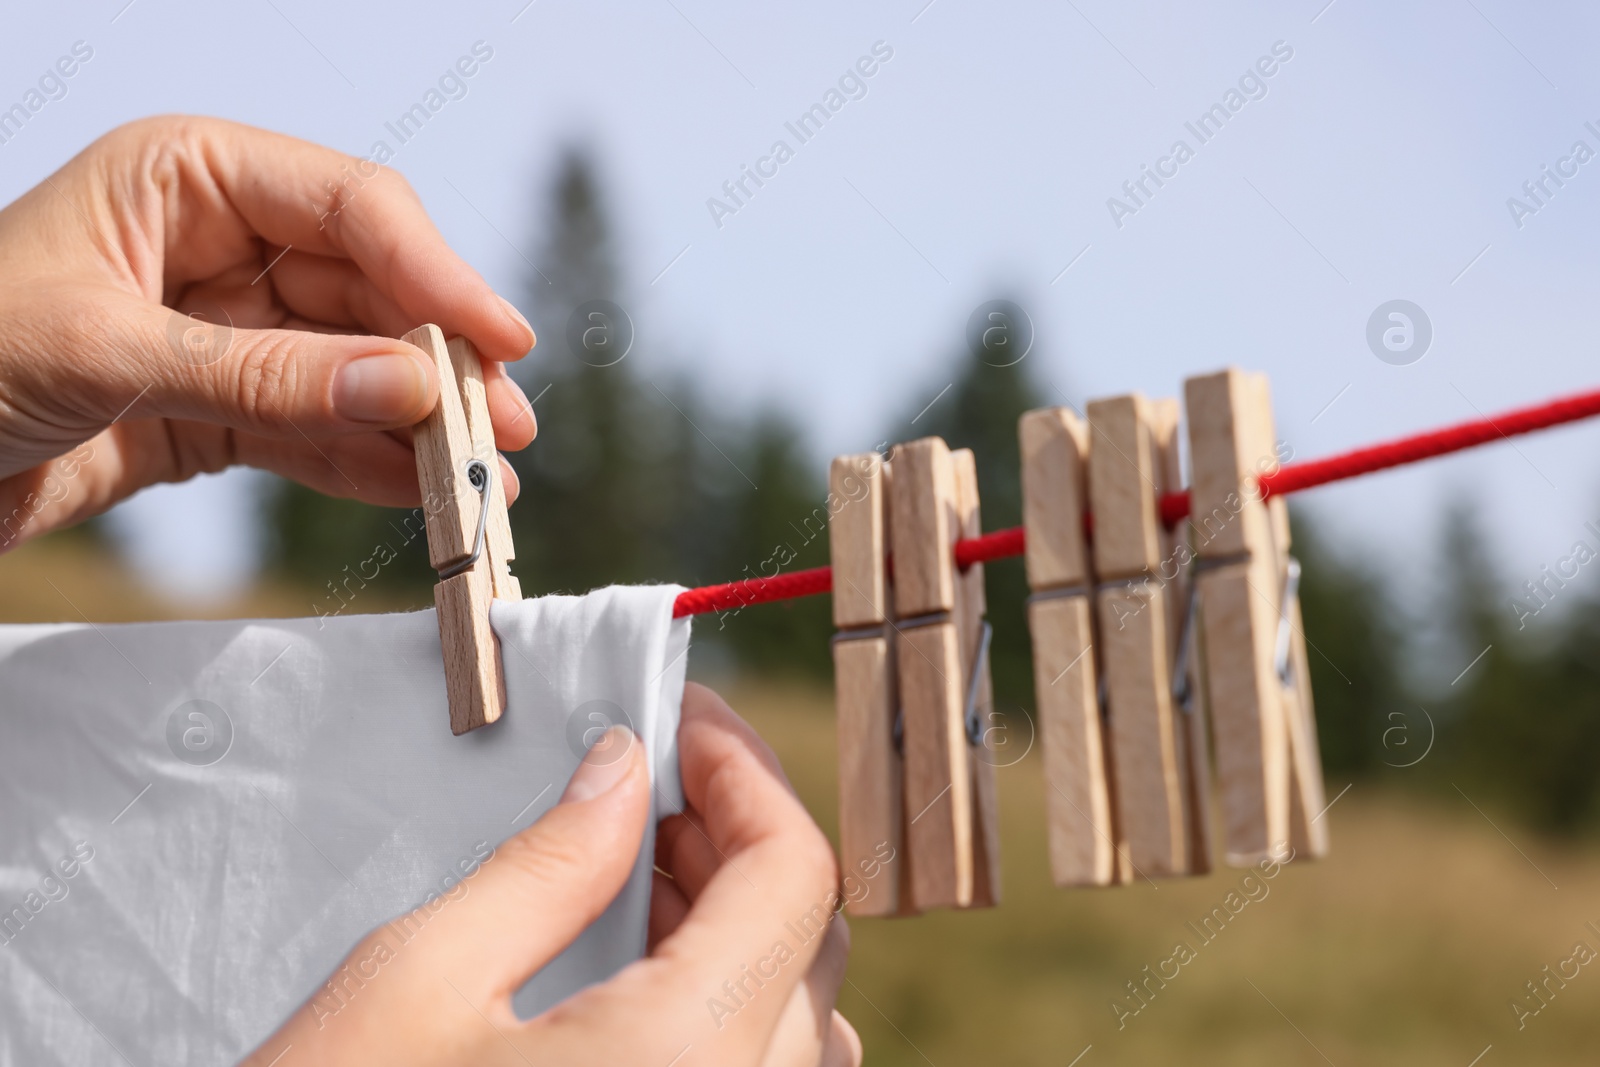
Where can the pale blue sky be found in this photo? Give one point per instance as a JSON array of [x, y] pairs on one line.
[[1377, 166]]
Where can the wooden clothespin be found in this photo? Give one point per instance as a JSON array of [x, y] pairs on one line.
[[1269, 777], [872, 848], [1188, 689], [1308, 832], [940, 678], [1082, 834], [974, 634], [1154, 770], [469, 533]]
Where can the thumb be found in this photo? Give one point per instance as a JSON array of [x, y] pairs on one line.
[[277, 383], [541, 888]]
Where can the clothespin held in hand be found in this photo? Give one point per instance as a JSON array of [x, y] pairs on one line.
[[469, 534], [872, 848], [1082, 832]]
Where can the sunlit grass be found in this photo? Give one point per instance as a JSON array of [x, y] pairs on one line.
[[1405, 946]]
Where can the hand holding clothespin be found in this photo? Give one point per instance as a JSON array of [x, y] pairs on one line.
[[469, 533]]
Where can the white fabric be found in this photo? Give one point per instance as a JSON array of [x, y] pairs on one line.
[[221, 867]]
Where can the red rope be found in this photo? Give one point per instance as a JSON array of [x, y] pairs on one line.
[[752, 591], [997, 545], [1297, 476], [1175, 506]]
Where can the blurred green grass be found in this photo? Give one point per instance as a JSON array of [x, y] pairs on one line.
[[1405, 946]]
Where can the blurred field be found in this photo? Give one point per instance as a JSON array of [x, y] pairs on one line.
[[65, 578], [1405, 947]]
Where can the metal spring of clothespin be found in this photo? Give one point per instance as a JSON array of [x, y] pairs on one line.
[[478, 475], [1291, 590]]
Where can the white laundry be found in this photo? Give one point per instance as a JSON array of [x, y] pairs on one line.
[[198, 820]]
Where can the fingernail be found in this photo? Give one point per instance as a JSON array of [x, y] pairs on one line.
[[524, 415], [516, 317], [521, 397], [513, 484], [605, 764], [385, 388]]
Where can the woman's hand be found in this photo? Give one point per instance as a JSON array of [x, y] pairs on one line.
[[750, 887], [188, 294]]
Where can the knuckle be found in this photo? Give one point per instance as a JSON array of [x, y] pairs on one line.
[[389, 190], [153, 139], [542, 858], [266, 378], [395, 182]]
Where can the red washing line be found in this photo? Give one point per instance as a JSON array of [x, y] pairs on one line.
[[1175, 506]]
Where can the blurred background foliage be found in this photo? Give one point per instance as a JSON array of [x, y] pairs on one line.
[[634, 479]]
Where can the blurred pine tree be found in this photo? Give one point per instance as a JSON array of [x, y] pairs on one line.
[[608, 474], [1365, 718], [1524, 725], [631, 480]]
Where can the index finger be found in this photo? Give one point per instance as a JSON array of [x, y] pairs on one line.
[[319, 200]]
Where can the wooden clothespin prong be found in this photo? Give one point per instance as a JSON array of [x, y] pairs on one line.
[[1149, 754], [480, 433], [924, 527], [1082, 832], [1308, 832], [978, 703], [1238, 582], [872, 850], [1192, 730], [469, 534]]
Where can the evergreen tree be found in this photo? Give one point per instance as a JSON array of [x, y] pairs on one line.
[[633, 479], [600, 483], [1547, 740], [780, 527], [1365, 718], [1525, 724]]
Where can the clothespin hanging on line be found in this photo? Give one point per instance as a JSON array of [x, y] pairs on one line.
[[1083, 836], [872, 849], [914, 711], [1268, 766], [978, 714], [469, 533], [1157, 748]]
